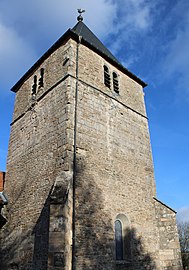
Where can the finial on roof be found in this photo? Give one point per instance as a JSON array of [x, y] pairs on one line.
[[80, 11]]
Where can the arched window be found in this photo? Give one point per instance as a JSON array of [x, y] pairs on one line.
[[107, 80], [122, 238], [119, 240], [115, 83]]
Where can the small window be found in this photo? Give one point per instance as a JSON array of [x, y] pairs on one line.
[[119, 240], [115, 83], [41, 82], [107, 80], [122, 238], [34, 86]]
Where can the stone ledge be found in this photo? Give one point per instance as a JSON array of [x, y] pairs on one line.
[[123, 262]]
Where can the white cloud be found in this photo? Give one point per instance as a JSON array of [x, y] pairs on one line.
[[40, 20], [176, 62], [138, 14], [134, 20], [183, 214], [15, 55], [28, 29]]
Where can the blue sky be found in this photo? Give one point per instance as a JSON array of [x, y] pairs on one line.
[[149, 37]]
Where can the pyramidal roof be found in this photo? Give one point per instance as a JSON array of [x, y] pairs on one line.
[[88, 39], [82, 30]]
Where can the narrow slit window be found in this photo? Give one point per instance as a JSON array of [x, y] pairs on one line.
[[41, 79], [107, 80], [115, 83], [34, 86]]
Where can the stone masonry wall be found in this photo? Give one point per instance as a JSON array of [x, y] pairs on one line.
[[56, 67], [40, 150], [114, 170], [91, 70], [169, 247]]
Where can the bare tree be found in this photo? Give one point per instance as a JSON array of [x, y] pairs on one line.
[[183, 230]]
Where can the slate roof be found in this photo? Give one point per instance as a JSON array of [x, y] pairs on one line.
[[81, 29], [89, 40]]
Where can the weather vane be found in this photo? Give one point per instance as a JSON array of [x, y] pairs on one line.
[[80, 11]]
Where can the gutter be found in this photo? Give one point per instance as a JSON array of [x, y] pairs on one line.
[[74, 155]]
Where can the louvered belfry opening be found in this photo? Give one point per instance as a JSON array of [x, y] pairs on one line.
[[41, 79], [107, 80], [115, 83], [34, 86]]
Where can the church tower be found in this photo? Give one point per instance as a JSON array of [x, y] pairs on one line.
[[80, 177]]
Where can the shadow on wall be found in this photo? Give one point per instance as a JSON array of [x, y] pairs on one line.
[[139, 258], [29, 249], [41, 238], [95, 240], [12, 254], [95, 233], [93, 228]]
